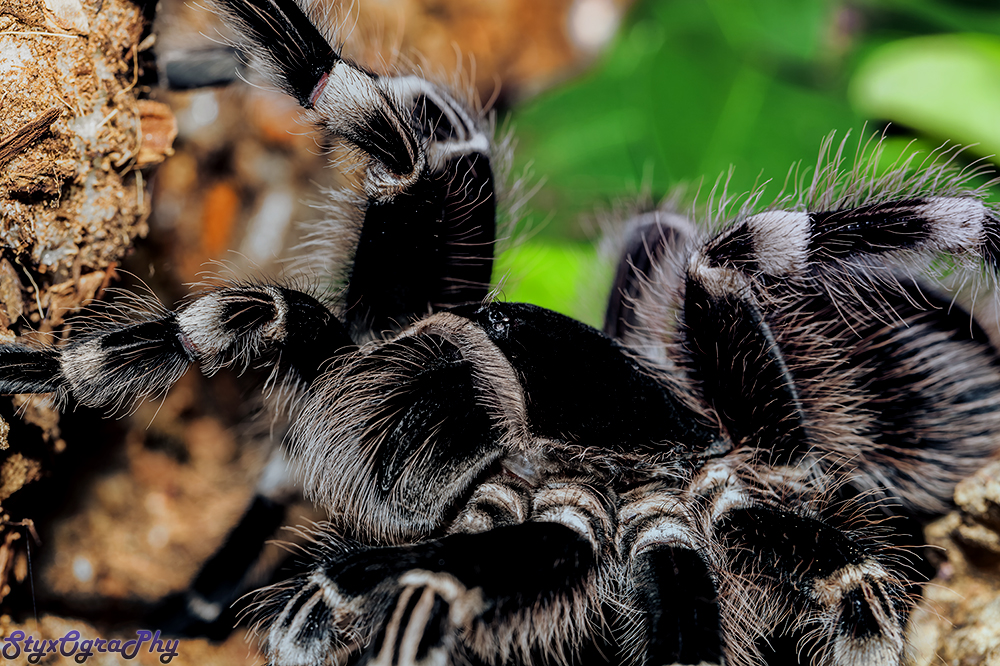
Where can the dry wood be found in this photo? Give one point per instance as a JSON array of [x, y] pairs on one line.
[[25, 135]]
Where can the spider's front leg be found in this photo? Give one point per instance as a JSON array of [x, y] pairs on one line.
[[417, 236], [512, 592], [115, 363]]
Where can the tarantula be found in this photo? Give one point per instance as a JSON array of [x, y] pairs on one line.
[[735, 469]]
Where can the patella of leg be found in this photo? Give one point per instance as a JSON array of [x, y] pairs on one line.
[[848, 605], [237, 325], [437, 236], [493, 595]]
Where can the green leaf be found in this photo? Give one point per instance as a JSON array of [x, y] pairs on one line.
[[945, 86], [554, 275]]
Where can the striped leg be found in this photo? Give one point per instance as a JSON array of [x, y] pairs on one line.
[[428, 202], [236, 325], [855, 341], [435, 225], [670, 581], [740, 284], [510, 592], [835, 598], [417, 236]]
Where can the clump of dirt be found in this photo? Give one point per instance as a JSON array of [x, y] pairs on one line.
[[73, 138], [958, 620], [72, 199]]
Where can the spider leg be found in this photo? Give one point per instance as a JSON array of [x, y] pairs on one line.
[[871, 368], [207, 607], [848, 605], [436, 232], [227, 326], [742, 281], [419, 236], [492, 595], [648, 280], [796, 359]]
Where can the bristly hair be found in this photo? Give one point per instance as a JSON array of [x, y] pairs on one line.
[[282, 35]]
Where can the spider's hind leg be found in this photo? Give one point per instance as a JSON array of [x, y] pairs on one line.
[[780, 287], [837, 371]]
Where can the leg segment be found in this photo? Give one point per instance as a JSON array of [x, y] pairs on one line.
[[419, 237], [669, 581], [229, 326], [742, 371], [849, 605], [426, 240], [784, 244], [492, 594], [676, 589], [208, 606], [649, 280], [925, 382]]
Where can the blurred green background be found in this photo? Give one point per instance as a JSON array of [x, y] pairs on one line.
[[689, 88]]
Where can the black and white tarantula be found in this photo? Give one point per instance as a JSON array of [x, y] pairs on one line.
[[735, 470]]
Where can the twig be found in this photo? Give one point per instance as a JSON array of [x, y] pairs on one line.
[[24, 136], [44, 34]]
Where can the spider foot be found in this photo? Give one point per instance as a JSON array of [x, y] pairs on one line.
[[465, 597], [430, 612], [319, 623]]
